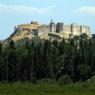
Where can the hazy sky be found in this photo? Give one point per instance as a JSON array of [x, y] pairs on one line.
[[14, 12]]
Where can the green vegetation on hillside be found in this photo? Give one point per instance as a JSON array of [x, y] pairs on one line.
[[43, 60]]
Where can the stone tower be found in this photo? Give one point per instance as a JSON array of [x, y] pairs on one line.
[[72, 27], [52, 26], [59, 27], [81, 29]]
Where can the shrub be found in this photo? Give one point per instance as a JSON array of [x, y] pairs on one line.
[[84, 71], [64, 80]]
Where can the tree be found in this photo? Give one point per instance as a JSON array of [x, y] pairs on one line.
[[84, 71], [12, 44], [61, 47], [12, 61]]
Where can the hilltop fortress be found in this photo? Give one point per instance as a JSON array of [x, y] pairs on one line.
[[60, 28]]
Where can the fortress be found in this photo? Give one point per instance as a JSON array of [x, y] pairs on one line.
[[59, 28]]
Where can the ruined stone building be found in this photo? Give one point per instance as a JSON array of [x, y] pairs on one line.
[[60, 27]]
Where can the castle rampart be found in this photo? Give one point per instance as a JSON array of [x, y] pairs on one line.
[[39, 29]]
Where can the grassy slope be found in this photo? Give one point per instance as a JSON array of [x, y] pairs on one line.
[[46, 89]]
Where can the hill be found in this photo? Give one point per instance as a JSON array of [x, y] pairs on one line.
[[59, 30]]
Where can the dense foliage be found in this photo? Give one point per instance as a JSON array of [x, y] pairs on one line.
[[43, 60]]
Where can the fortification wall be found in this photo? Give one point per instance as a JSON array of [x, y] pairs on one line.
[[44, 28], [52, 27], [67, 28], [71, 30], [85, 29], [75, 29], [59, 27]]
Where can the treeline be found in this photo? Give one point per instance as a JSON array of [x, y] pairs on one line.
[[47, 60]]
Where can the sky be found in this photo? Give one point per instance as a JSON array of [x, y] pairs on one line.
[[15, 12]]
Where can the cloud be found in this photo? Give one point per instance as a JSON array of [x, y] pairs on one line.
[[24, 9], [85, 10]]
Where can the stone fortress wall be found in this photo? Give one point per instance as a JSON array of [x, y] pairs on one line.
[[70, 30]]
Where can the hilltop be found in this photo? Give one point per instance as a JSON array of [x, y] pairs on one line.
[[53, 30]]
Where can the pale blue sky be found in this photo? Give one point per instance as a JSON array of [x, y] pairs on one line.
[[14, 12]]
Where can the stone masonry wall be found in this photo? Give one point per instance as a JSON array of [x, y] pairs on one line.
[[72, 29]]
